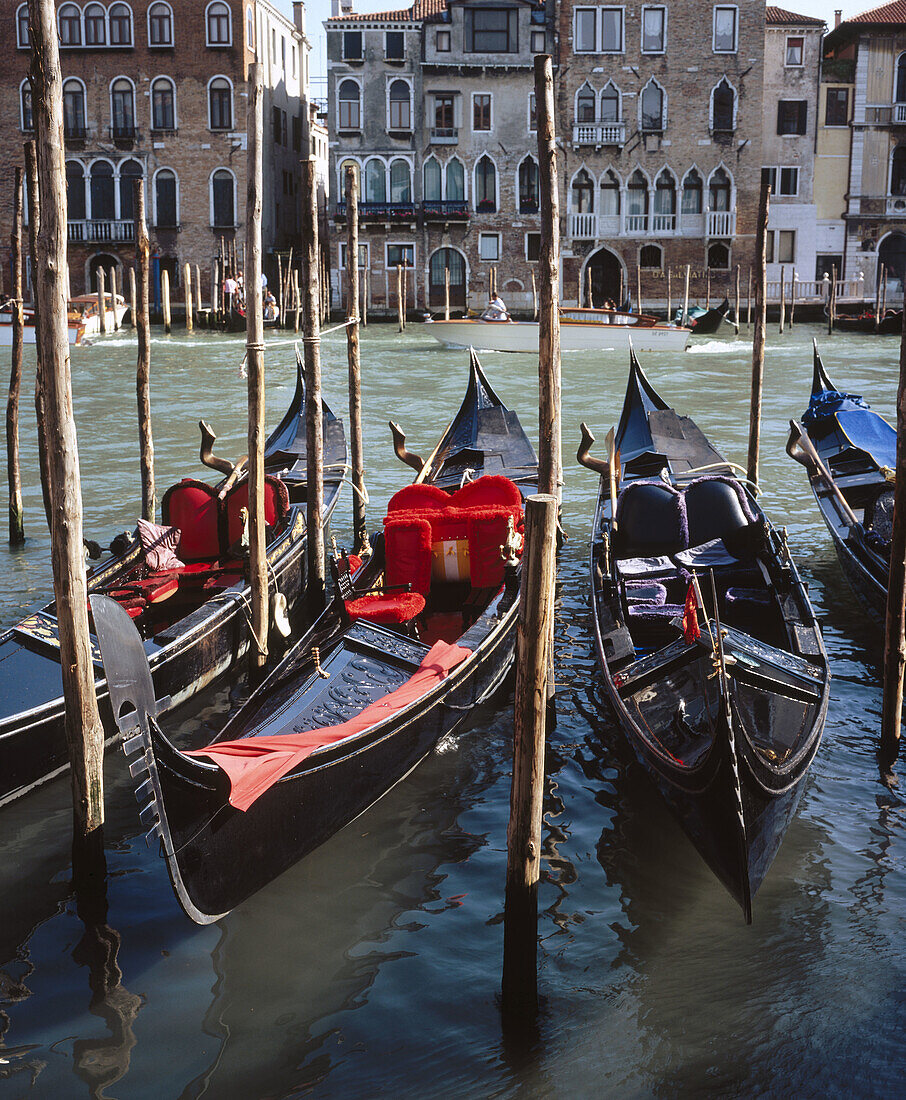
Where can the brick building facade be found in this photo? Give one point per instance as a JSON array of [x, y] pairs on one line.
[[159, 90]]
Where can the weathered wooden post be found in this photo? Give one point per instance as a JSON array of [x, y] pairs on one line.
[[187, 287], [34, 225], [143, 365], [620, 299], [782, 297], [749, 300], [365, 292], [831, 299], [738, 302], [132, 299], [297, 300], [254, 349], [311, 341], [399, 297], [84, 733], [405, 294], [895, 626], [794, 279], [758, 338], [102, 301], [534, 630], [534, 298], [589, 297], [198, 304], [279, 286], [708, 287], [16, 514], [638, 287], [114, 291], [669, 292], [883, 309], [165, 296], [686, 296], [359, 528], [446, 293]]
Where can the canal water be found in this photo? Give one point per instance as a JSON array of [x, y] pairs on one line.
[[372, 968]]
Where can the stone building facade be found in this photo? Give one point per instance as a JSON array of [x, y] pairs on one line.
[[434, 105], [158, 90]]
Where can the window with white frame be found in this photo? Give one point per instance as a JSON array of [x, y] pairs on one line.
[[26, 114], [652, 108], [455, 177], [74, 108], [122, 108], [485, 185], [129, 172], [220, 104], [654, 29], [585, 30], [490, 30], [489, 246], [725, 34], [349, 114], [400, 181], [432, 180], [719, 256], [95, 25], [120, 21], [375, 187], [651, 257], [598, 30], [795, 47], [394, 45], [76, 206], [611, 20], [442, 42], [538, 42], [399, 106], [399, 255], [481, 111], [69, 24], [363, 256], [352, 46], [163, 104], [785, 250], [160, 25], [22, 27], [532, 247], [219, 25], [532, 113], [784, 182], [223, 199], [166, 212], [723, 107]]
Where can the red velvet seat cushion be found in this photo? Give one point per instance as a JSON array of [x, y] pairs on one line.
[[192, 507], [393, 607], [487, 533], [157, 588], [407, 545], [488, 491], [418, 498], [276, 506]]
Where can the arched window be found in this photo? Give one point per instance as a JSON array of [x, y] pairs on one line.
[[651, 257], [901, 79], [122, 108], [220, 104], [652, 108], [719, 191], [529, 186], [485, 185], [341, 193], [610, 194], [22, 26], [163, 104], [375, 181], [610, 104], [583, 193], [160, 25], [73, 108], [69, 21], [120, 18], [719, 256], [447, 263], [400, 106], [103, 202], [130, 171], [165, 209], [692, 193], [75, 191], [223, 199], [723, 107], [95, 25], [26, 115], [456, 181], [400, 181], [432, 180], [637, 201], [250, 28], [585, 104], [219, 24], [349, 100], [898, 171], [665, 199]]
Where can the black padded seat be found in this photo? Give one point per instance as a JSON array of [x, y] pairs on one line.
[[715, 508], [651, 521]]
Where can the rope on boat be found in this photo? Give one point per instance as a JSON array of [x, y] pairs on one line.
[[734, 465]]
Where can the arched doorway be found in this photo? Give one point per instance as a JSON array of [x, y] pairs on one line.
[[440, 260], [606, 280], [892, 254], [108, 263]]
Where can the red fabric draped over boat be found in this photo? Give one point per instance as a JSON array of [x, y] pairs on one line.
[[254, 764]]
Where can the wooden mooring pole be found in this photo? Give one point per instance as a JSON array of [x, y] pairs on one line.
[[446, 293], [534, 297], [794, 278], [165, 296], [311, 340], [365, 291], [84, 733], [831, 299], [534, 630], [102, 301], [686, 296], [359, 527], [589, 297], [14, 478], [198, 305], [758, 338], [737, 304], [143, 366], [638, 287], [782, 298], [34, 225], [669, 292], [749, 300], [133, 307], [187, 289], [895, 626], [254, 349], [114, 293], [399, 297]]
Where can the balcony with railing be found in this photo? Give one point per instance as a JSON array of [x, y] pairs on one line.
[[125, 135], [583, 227], [663, 224], [75, 133], [381, 211], [636, 223], [446, 209], [898, 116], [444, 135], [599, 132], [107, 232], [718, 223], [721, 223]]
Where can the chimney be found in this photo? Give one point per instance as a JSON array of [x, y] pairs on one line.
[[838, 15], [346, 5]]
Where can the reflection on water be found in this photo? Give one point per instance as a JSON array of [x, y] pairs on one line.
[[373, 967]]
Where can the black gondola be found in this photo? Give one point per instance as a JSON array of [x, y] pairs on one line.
[[192, 618], [710, 321], [891, 322], [848, 451], [367, 692], [726, 722]]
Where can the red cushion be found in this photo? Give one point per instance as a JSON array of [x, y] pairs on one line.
[[157, 588], [394, 607], [418, 498], [407, 547], [276, 506], [192, 507], [487, 533], [355, 563], [492, 489]]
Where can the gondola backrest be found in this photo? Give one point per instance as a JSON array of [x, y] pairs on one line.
[[276, 506], [192, 506], [651, 520], [716, 506]]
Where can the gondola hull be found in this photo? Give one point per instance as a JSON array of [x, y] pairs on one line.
[[712, 320]]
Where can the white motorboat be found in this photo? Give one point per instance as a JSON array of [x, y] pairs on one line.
[[84, 308], [76, 328]]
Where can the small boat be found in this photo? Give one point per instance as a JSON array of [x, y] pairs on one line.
[[386, 672], [83, 308], [724, 715], [890, 323], [192, 617], [711, 320], [580, 330], [850, 454], [75, 329]]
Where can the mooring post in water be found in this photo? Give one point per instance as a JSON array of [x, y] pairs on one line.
[[405, 293], [16, 514], [832, 300], [638, 287], [142, 323], [738, 302], [311, 341], [132, 298], [669, 292], [399, 297], [534, 298], [297, 300], [883, 309], [84, 733], [589, 300], [758, 337], [254, 347], [686, 296], [359, 528], [782, 297], [794, 279], [165, 296], [187, 288], [749, 300], [534, 631], [34, 224], [708, 287], [114, 293], [198, 305], [365, 291], [447, 292], [102, 300], [620, 299], [895, 632]]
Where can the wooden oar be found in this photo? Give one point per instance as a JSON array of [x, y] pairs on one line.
[[612, 477], [801, 448]]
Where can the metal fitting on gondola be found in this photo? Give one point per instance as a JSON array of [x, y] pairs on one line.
[[316, 658]]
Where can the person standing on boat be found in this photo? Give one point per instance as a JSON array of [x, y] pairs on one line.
[[496, 310]]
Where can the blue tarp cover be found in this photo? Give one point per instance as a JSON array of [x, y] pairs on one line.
[[871, 433]]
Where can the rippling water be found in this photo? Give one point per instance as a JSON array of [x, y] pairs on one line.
[[373, 967]]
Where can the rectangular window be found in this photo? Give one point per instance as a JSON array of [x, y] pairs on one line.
[[585, 39], [611, 30], [363, 255], [769, 250], [481, 111], [491, 30], [824, 265], [283, 130], [836, 111], [489, 246], [532, 113], [442, 42], [786, 246], [400, 254], [794, 48], [352, 45], [394, 46], [654, 30], [792, 116], [783, 182], [532, 247], [725, 30], [444, 111], [297, 133], [538, 42]]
